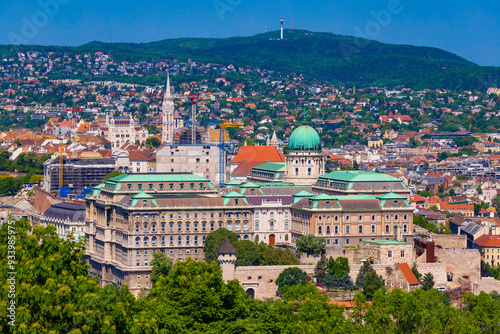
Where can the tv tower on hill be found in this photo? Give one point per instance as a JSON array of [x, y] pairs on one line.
[[281, 21]]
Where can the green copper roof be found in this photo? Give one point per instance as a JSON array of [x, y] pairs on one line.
[[233, 194], [304, 138], [359, 176], [323, 197], [271, 167], [153, 177], [302, 193], [142, 195], [249, 185], [391, 195], [233, 182]]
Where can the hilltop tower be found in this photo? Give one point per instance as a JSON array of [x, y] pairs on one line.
[[167, 110], [227, 261], [281, 22]]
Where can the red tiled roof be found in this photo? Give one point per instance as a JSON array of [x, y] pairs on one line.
[[245, 168], [258, 153], [408, 274], [488, 241]]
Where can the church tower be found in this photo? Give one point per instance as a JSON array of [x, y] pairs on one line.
[[167, 109]]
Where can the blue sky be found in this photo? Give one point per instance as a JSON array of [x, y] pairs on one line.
[[469, 29]]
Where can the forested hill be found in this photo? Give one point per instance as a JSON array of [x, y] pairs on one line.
[[329, 57], [323, 56]]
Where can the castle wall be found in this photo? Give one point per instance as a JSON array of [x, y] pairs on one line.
[[262, 279]]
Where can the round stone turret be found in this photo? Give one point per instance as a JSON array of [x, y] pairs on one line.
[[227, 260]]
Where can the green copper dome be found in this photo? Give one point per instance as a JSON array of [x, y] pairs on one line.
[[304, 138]]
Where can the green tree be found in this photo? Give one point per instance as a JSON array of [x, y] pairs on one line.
[[479, 190], [248, 253], [335, 281], [372, 283], [415, 271], [427, 282], [495, 202], [110, 175], [310, 244], [153, 142], [214, 241], [291, 276], [321, 268], [162, 265], [338, 266]]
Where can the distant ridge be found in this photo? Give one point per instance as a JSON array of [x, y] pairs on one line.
[[332, 58]]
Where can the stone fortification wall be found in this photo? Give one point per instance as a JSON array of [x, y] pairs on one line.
[[487, 284], [461, 262], [262, 279], [449, 241]]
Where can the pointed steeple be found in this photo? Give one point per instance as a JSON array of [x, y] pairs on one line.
[[168, 115], [168, 92]]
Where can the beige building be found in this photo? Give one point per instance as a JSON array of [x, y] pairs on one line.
[[121, 130], [347, 220], [131, 217]]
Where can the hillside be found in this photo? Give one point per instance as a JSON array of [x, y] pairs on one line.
[[328, 57]]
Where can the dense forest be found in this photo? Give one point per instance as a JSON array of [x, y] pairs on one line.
[[54, 294], [324, 56]]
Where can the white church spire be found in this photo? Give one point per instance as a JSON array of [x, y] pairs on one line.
[[167, 115]]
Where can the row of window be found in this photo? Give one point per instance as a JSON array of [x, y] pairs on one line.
[[195, 215], [179, 251], [373, 229], [271, 225], [170, 186], [389, 253], [271, 214], [187, 227], [163, 240], [360, 218]]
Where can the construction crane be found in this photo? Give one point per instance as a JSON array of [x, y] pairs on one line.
[[193, 99], [222, 149], [61, 162]]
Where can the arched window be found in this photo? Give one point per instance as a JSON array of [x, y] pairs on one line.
[[170, 186], [145, 227], [171, 227], [200, 185], [181, 185], [286, 224], [179, 240], [405, 217], [257, 238], [137, 241], [405, 228], [195, 239], [145, 241], [203, 239], [328, 230], [187, 240], [336, 229], [320, 229], [163, 227], [271, 226], [387, 228], [153, 228], [256, 226], [163, 240], [396, 217], [171, 240], [153, 241], [137, 227], [386, 217], [286, 237]]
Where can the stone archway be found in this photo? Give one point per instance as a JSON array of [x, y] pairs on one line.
[[251, 293]]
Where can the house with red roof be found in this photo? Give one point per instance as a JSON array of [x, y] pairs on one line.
[[402, 119], [490, 246], [402, 277]]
